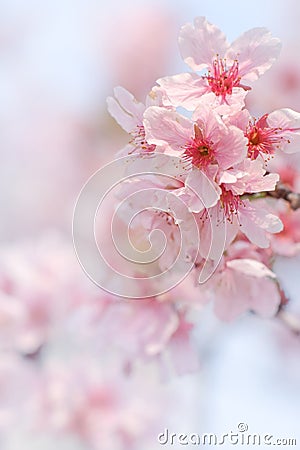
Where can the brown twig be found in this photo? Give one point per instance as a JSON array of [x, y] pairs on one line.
[[284, 192]]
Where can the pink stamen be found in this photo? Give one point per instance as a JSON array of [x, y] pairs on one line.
[[263, 140], [222, 80], [230, 203], [139, 140]]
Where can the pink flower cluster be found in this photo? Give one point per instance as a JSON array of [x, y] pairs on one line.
[[223, 178]]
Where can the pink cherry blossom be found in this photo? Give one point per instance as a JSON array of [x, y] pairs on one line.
[[279, 130], [231, 215], [287, 242], [128, 112], [204, 141], [242, 284], [256, 222], [149, 330], [204, 46], [249, 176]]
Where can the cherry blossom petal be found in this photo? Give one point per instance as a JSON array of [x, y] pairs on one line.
[[206, 191], [184, 89], [231, 148], [156, 97], [166, 127], [125, 109], [234, 103], [250, 267], [249, 176], [246, 285], [200, 43], [209, 122], [289, 121], [256, 50], [216, 235], [255, 222], [239, 119]]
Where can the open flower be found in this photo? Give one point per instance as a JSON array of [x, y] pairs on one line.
[[242, 285], [279, 130], [205, 141], [128, 112], [204, 46]]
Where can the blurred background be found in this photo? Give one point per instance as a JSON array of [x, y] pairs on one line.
[[63, 384]]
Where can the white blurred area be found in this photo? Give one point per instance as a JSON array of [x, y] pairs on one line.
[[59, 60]]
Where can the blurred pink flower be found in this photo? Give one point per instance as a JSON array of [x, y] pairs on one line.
[[242, 284], [144, 49]]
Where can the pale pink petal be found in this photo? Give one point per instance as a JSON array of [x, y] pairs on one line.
[[242, 287], [184, 89], [229, 299], [126, 121], [166, 127], [265, 298], [289, 121], [125, 109], [227, 177], [209, 122], [256, 50], [234, 103], [157, 97], [239, 119], [266, 183], [182, 351], [250, 267], [167, 167], [127, 150], [249, 176], [205, 192], [200, 43], [231, 147], [255, 223], [216, 234]]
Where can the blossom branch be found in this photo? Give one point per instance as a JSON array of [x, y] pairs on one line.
[[284, 192]]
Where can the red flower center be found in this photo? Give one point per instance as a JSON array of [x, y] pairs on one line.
[[262, 139], [199, 150], [222, 80]]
